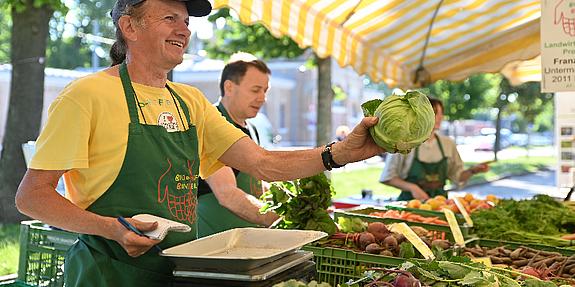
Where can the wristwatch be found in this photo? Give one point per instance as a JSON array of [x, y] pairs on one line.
[[327, 158]]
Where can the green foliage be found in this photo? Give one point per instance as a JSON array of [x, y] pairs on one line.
[[20, 5], [463, 99], [540, 220], [406, 250], [254, 39], [457, 271], [9, 248], [68, 48], [5, 27], [301, 204], [67, 53], [532, 106], [338, 93], [351, 224]]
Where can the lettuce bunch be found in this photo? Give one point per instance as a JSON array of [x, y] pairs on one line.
[[405, 120]]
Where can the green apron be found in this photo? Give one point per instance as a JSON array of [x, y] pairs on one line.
[[214, 218], [430, 176], [158, 176]]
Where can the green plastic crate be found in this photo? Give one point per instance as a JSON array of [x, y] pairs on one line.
[[42, 252], [438, 231], [336, 266]]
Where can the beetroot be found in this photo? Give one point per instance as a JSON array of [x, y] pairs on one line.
[[390, 243], [440, 243], [386, 253], [379, 230], [365, 239], [399, 237], [406, 280], [373, 248]]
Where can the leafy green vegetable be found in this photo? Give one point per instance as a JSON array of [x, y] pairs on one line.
[[301, 204], [406, 250], [458, 271], [455, 271], [539, 220], [405, 121], [351, 224]]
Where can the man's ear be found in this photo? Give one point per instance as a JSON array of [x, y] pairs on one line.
[[127, 27], [228, 87]]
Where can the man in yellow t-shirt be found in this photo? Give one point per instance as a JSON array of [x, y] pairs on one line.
[[128, 142], [101, 119]]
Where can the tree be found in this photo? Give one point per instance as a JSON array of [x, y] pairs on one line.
[[464, 99], [5, 24], [28, 49], [73, 49], [532, 105], [256, 39]]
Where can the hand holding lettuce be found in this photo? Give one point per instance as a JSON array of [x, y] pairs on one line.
[[405, 121]]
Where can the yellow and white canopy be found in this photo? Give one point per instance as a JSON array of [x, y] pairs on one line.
[[385, 38]]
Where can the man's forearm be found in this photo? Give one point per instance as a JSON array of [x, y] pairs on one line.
[[246, 156], [400, 184], [41, 201], [248, 208], [224, 186]]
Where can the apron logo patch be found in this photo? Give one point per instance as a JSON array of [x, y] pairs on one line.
[[168, 121], [178, 190]]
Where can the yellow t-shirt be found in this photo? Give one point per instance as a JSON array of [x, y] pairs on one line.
[[87, 131]]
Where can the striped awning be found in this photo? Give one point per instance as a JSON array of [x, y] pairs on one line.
[[385, 39], [519, 72]]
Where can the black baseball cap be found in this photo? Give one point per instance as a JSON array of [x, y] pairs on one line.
[[196, 8]]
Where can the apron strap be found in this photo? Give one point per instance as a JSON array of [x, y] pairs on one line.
[[440, 146], [253, 133], [129, 93], [181, 103]]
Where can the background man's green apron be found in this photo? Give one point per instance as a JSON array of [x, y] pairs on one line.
[[214, 218], [430, 177], [158, 176]]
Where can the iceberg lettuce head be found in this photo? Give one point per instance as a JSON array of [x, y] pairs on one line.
[[405, 120]]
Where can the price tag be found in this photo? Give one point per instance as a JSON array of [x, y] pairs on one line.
[[413, 238], [454, 226], [463, 211], [485, 260]]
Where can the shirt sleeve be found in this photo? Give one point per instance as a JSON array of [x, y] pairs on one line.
[[217, 136], [393, 164], [63, 142]]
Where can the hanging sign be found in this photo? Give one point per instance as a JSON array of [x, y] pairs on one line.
[[557, 45]]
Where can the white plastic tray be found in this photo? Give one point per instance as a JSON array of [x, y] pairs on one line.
[[239, 249]]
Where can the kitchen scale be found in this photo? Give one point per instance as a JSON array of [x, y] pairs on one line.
[[297, 265]]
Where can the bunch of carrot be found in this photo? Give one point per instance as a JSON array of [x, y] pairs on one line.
[[409, 216]]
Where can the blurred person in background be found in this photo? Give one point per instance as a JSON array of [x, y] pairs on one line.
[[341, 132], [423, 172], [229, 198]]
